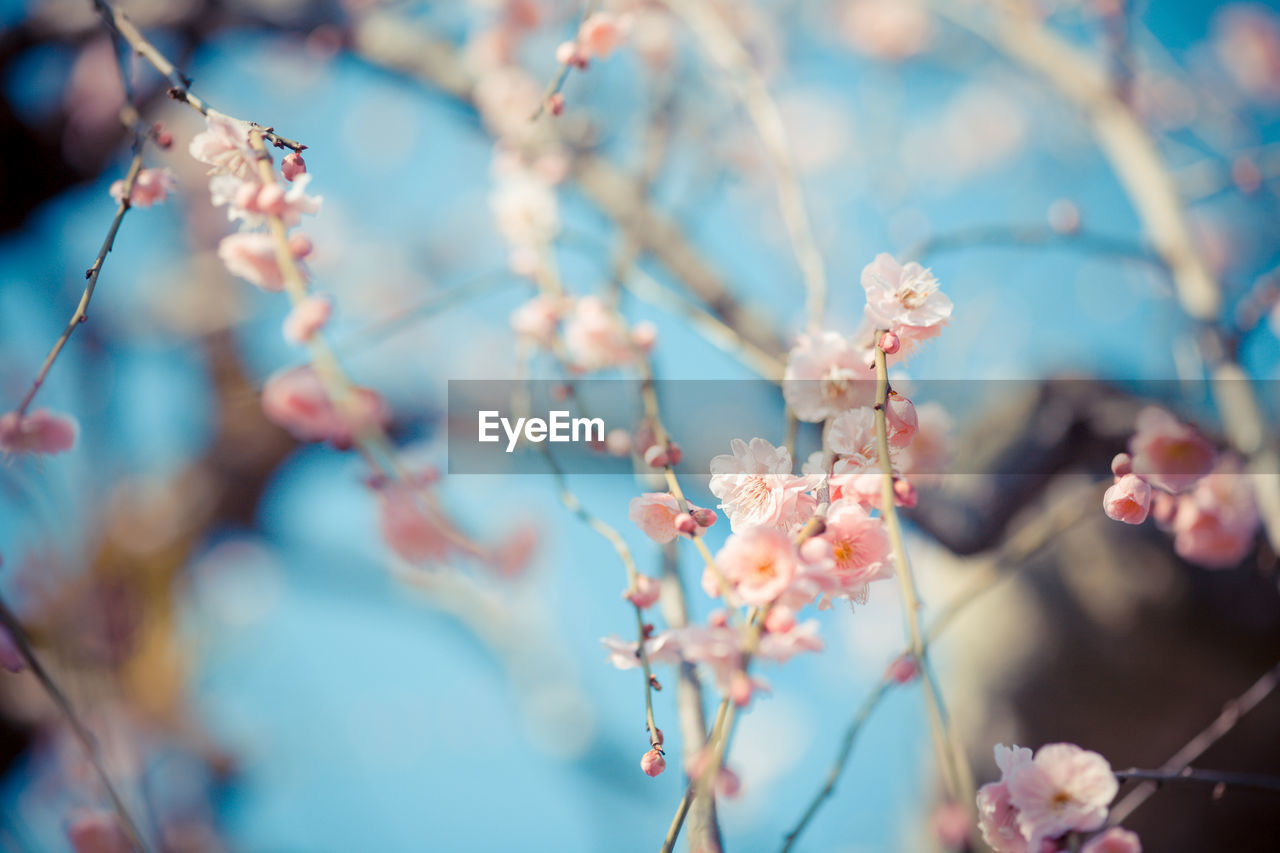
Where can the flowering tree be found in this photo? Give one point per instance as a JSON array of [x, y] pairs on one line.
[[641, 230]]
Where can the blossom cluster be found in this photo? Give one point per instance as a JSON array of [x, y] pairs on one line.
[[1201, 497], [1043, 799], [799, 538]]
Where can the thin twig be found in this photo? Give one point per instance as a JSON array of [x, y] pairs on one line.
[[81, 732], [1020, 547], [1196, 747], [179, 84], [81, 314], [944, 738], [726, 51], [1225, 779]]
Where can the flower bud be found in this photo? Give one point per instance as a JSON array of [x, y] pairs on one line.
[[902, 670], [300, 245], [889, 343], [704, 517], [656, 457], [1122, 464], [293, 166], [652, 763], [685, 524], [905, 493]]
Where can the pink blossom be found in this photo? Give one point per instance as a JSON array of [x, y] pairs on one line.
[[998, 819], [600, 34], [657, 514], [860, 547], [97, 832], [1214, 525], [536, 321], [901, 295], [645, 593], [997, 815], [756, 486], [596, 337], [1167, 453], [42, 431], [1247, 39], [1129, 500], [224, 145], [152, 186], [887, 29], [251, 255], [412, 529], [1114, 840], [307, 317], [293, 165], [728, 784], [525, 209], [652, 763], [781, 646], [665, 647], [297, 400], [758, 563], [825, 376], [1062, 789], [901, 421], [252, 201]]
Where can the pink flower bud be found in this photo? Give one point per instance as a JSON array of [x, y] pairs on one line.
[[97, 832], [293, 166], [42, 431], [1129, 500], [902, 670], [300, 245], [740, 689], [889, 343], [556, 104], [162, 137], [718, 618], [645, 592], [652, 763], [656, 457], [618, 442], [728, 783], [674, 453], [905, 493], [685, 524], [567, 53], [1122, 464], [704, 517]]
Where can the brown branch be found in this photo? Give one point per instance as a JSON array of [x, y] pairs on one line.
[[79, 730], [406, 49], [81, 314], [1198, 745], [179, 84]]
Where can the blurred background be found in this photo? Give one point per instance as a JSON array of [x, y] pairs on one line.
[[264, 674]]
